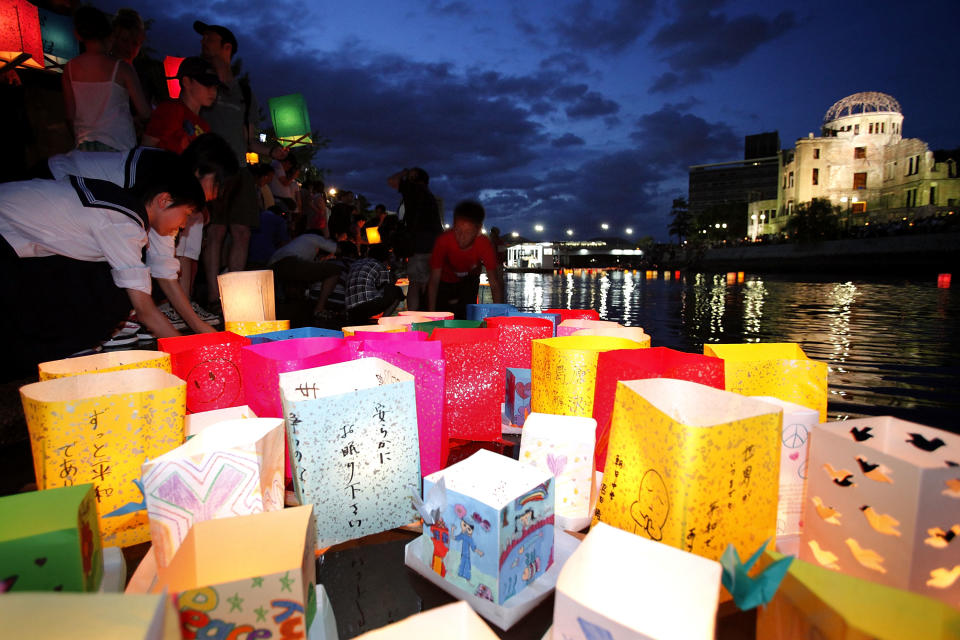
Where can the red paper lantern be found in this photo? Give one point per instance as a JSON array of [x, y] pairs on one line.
[[574, 314], [210, 364], [639, 364], [20, 34], [475, 386], [170, 67], [516, 332], [943, 281]]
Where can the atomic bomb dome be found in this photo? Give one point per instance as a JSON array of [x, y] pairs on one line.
[[861, 103]]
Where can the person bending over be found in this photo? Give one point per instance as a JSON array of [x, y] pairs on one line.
[[370, 286]]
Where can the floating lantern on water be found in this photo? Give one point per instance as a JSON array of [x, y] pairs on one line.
[[943, 281], [732, 277]]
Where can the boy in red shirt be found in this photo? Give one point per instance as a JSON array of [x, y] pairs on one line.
[[456, 261]]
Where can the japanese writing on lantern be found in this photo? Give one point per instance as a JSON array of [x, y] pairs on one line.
[[383, 446], [569, 381], [349, 453], [67, 468], [294, 421], [609, 491], [99, 465]]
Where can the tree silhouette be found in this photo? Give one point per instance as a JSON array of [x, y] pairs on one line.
[[814, 220], [681, 222]]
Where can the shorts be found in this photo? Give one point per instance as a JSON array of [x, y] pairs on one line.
[[191, 238], [418, 268], [238, 202]]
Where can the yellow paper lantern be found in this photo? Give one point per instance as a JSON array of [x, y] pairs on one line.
[[375, 328], [781, 370], [247, 296], [103, 362], [398, 320], [252, 157], [565, 372], [101, 428], [253, 328], [630, 333], [373, 235], [691, 466]]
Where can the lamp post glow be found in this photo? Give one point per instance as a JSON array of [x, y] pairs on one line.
[[569, 232], [514, 234], [538, 227], [332, 191], [604, 226], [629, 231]]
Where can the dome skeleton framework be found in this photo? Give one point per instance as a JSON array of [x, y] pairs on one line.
[[863, 102]]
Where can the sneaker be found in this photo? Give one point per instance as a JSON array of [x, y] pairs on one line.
[[206, 316], [145, 336], [172, 316], [126, 334]]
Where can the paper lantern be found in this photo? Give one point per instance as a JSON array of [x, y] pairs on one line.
[[233, 468], [569, 327], [171, 65], [247, 296], [679, 602], [943, 281], [210, 364], [373, 235], [516, 334], [389, 336], [59, 42], [554, 318], [103, 362], [251, 574], [517, 400], [482, 311], [20, 39], [491, 525], [563, 446], [637, 364], [398, 320], [781, 370], [691, 466], [291, 120], [474, 386], [424, 361], [252, 157], [50, 541], [290, 334], [630, 333], [798, 423], [813, 602], [374, 328], [456, 620], [262, 364], [256, 328], [565, 372], [574, 314], [883, 504], [195, 423], [88, 616], [100, 428], [430, 325], [353, 433], [429, 315]]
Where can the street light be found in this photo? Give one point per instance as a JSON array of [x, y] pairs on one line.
[[629, 231], [538, 227], [514, 234], [604, 226], [332, 191], [569, 232]]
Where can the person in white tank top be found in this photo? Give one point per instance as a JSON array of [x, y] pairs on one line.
[[97, 90]]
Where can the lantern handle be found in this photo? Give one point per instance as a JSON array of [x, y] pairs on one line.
[[13, 64]]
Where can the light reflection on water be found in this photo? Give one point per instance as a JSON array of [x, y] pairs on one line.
[[893, 347]]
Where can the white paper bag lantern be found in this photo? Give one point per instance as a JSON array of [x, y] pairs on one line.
[[247, 296]]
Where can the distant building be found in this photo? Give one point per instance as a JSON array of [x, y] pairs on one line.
[[548, 256], [862, 163], [737, 182]]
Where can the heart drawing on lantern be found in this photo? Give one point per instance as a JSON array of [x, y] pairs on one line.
[[556, 464]]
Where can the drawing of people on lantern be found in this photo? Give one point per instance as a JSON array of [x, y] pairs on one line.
[[440, 537], [652, 506], [465, 538]]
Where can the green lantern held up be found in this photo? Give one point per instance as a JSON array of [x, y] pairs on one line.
[[291, 122]]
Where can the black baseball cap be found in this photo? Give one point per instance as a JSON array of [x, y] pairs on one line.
[[226, 36], [200, 70]]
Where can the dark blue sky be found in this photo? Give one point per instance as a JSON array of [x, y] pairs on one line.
[[572, 113]]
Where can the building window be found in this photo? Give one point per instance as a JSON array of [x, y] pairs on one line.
[[913, 165], [933, 195], [860, 180], [791, 179], [816, 176], [871, 128], [856, 129], [883, 127], [858, 207], [816, 154], [859, 153], [910, 198], [790, 207]]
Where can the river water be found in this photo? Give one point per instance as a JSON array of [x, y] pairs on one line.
[[893, 346]]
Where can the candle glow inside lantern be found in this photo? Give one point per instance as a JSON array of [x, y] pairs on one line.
[[248, 296]]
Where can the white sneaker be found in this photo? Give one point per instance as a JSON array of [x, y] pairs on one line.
[[127, 334], [206, 316], [145, 336], [172, 316]]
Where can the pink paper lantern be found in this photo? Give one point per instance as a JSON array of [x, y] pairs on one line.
[[516, 332], [474, 388], [572, 325], [429, 315], [210, 365], [638, 364]]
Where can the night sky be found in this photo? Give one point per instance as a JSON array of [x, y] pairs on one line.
[[570, 114]]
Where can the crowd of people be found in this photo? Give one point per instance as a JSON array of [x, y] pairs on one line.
[[162, 192]]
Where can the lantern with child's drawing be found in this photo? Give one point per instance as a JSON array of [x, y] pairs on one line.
[[103, 362], [353, 438], [50, 541], [230, 469], [474, 385], [781, 370], [691, 466], [488, 525], [210, 365], [883, 504], [100, 428], [516, 405], [645, 590], [255, 572]]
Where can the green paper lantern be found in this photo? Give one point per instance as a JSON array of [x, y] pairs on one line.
[[291, 122], [59, 42]]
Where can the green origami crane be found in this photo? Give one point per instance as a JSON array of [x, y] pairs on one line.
[[750, 592]]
